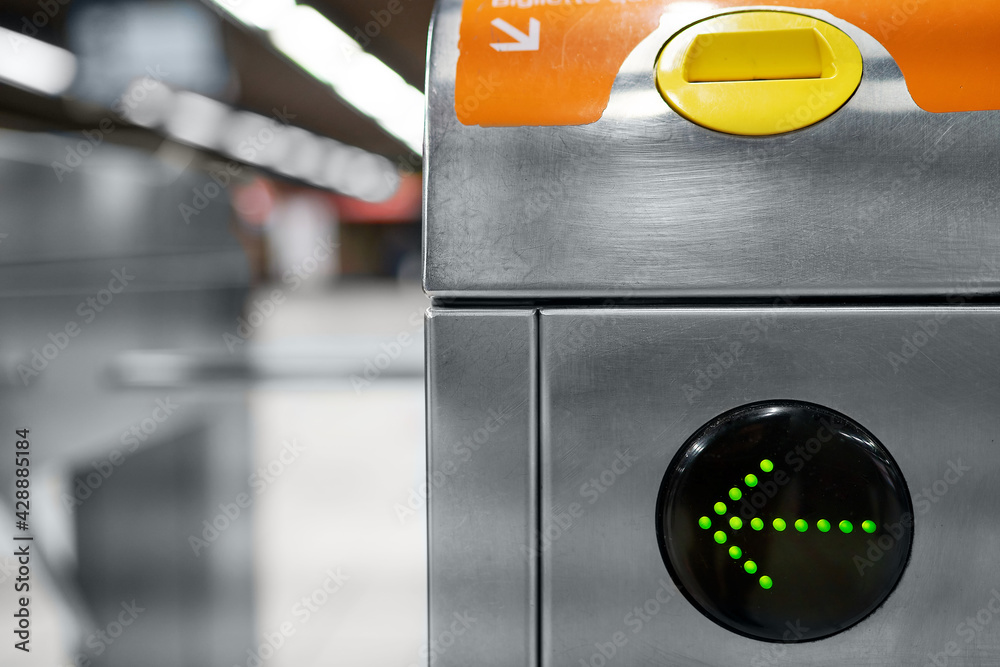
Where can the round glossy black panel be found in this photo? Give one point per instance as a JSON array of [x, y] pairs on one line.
[[784, 521]]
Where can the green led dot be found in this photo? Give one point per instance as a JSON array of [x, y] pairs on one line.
[[846, 526], [868, 526], [705, 522], [720, 537], [801, 525], [823, 525], [756, 523], [751, 480], [779, 525], [735, 523], [720, 508], [734, 552], [750, 566], [766, 583], [766, 465], [735, 493]]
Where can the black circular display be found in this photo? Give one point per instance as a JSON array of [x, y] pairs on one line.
[[784, 521]]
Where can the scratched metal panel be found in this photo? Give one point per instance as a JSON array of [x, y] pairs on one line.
[[925, 381], [482, 453]]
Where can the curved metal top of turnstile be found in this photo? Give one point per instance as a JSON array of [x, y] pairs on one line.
[[881, 198]]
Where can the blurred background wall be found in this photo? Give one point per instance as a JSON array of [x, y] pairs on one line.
[[211, 324]]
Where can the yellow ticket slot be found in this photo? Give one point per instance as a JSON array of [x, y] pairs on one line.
[[759, 72]]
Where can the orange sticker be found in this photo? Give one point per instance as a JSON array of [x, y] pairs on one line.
[[553, 62]]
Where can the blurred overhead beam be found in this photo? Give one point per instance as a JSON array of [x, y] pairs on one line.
[[395, 31], [269, 81], [265, 80]]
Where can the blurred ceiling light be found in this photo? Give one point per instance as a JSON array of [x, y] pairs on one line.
[[357, 173], [305, 156], [239, 137], [204, 123], [371, 178], [196, 119], [273, 146], [147, 102], [364, 81], [33, 64], [263, 14], [330, 55]]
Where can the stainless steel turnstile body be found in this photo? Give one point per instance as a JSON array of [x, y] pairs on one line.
[[601, 291]]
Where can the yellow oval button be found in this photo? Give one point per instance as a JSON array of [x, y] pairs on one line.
[[759, 72]]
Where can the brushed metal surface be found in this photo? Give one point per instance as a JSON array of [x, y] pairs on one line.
[[925, 381], [881, 198], [481, 453]]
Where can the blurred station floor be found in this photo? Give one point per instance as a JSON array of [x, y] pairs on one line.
[[338, 563], [336, 431]]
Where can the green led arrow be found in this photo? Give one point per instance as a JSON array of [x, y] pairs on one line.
[[779, 524]]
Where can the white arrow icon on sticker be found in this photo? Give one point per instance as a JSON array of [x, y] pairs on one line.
[[524, 42]]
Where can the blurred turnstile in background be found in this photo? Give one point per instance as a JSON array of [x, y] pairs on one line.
[[104, 254]]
